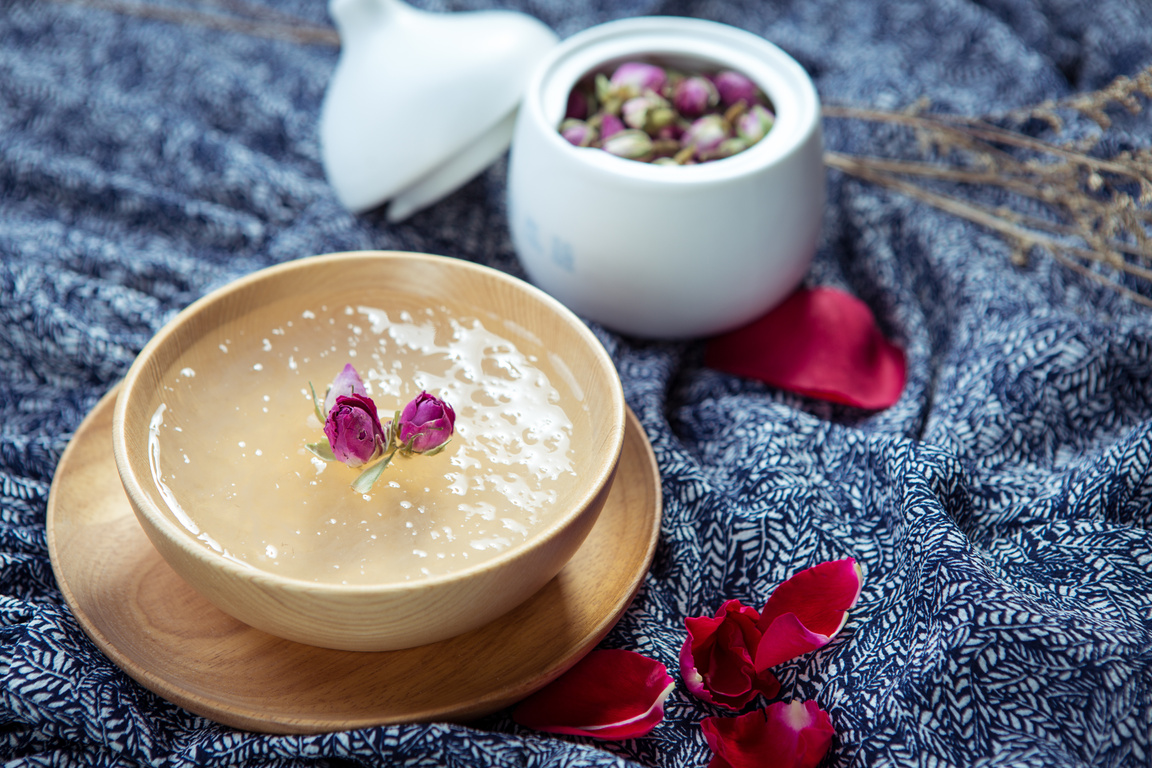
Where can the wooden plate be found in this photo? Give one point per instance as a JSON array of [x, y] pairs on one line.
[[172, 641]]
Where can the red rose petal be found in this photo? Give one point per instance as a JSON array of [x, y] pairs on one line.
[[786, 734], [729, 679], [819, 342], [807, 610], [716, 660], [785, 639], [609, 694]]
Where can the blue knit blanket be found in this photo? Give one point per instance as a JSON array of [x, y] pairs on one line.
[[152, 150]]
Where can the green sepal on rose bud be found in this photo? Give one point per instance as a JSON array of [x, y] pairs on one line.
[[320, 416], [366, 479], [321, 450]]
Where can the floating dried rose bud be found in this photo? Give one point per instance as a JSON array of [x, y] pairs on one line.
[[354, 432], [347, 382], [356, 437], [638, 77], [425, 425], [794, 734], [631, 144], [578, 132], [734, 87], [693, 96], [754, 124], [609, 694]]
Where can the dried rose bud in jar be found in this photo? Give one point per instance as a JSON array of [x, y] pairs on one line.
[[649, 113]]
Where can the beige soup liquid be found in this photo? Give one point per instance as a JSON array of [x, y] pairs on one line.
[[230, 462]]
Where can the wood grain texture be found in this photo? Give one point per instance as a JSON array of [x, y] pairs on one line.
[[220, 341], [161, 632]]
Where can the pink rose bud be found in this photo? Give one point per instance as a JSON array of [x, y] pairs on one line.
[[354, 431], [647, 111], [727, 148], [706, 133], [754, 124], [639, 77], [630, 144], [347, 382], [635, 111], [577, 132], [734, 87], [610, 125], [426, 424], [694, 96], [673, 132]]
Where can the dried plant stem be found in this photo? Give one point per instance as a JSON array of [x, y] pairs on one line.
[[1067, 231], [1124, 91], [1025, 184], [1024, 238], [880, 170], [237, 16], [863, 168], [1100, 207], [965, 128], [1078, 267]]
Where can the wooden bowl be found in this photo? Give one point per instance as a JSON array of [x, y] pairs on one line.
[[210, 427]]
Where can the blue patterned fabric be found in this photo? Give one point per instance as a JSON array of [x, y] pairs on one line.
[[1000, 510]]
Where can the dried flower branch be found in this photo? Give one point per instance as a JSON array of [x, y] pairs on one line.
[[1099, 209], [230, 16]]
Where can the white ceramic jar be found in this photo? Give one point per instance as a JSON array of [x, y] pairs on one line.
[[660, 251]]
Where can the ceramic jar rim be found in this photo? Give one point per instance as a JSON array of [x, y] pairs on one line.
[[671, 39]]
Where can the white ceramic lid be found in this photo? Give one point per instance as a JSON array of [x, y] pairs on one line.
[[422, 102]]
